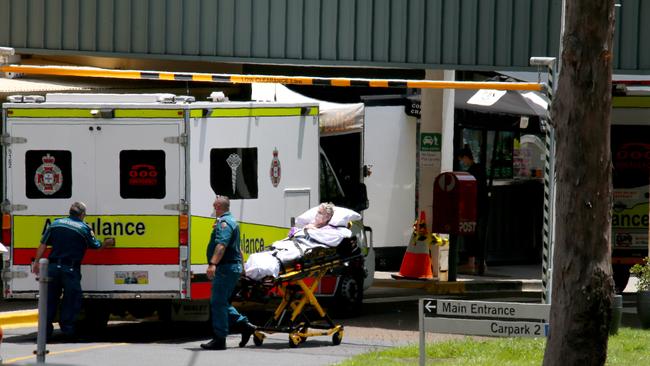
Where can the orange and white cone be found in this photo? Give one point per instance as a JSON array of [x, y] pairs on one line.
[[416, 264]]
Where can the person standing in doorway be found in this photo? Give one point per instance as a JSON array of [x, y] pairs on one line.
[[477, 248], [69, 238], [224, 269]]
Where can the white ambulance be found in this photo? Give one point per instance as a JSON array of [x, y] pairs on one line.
[[148, 167]]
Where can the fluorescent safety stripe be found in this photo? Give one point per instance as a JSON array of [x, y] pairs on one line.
[[254, 237], [261, 112], [128, 231], [631, 102], [49, 113], [148, 113], [248, 79], [86, 113], [111, 256]]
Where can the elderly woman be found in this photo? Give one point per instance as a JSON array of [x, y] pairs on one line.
[[317, 233]]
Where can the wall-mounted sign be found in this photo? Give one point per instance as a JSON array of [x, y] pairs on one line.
[[430, 141]]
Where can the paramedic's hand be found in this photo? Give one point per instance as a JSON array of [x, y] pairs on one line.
[[210, 271], [36, 268], [108, 243]]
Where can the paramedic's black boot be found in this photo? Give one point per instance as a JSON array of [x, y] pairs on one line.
[[216, 344], [247, 331]]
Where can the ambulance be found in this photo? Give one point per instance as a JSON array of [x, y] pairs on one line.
[[148, 167], [631, 177]]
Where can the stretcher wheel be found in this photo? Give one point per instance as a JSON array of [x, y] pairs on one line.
[[303, 330], [294, 340], [337, 338], [258, 339]]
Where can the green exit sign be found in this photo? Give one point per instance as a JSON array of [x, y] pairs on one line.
[[430, 141]]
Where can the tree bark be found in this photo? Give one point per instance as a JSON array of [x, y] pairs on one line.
[[583, 288]]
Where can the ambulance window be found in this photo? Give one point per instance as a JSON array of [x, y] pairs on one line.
[[48, 174], [142, 174], [233, 172]]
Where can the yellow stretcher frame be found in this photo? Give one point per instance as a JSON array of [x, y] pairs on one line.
[[296, 296]]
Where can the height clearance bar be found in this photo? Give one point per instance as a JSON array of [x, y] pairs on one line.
[[248, 79]]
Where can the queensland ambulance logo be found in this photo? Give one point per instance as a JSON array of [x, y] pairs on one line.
[[275, 172], [48, 177]]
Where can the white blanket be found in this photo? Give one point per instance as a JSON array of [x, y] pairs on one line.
[[263, 264]]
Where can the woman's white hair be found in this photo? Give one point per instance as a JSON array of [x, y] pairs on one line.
[[328, 208]]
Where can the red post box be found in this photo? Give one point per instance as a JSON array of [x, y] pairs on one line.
[[454, 203]]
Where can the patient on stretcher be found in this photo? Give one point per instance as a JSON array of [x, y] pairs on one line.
[[324, 226]]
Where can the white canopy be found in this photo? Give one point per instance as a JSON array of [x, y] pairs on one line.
[[334, 117]]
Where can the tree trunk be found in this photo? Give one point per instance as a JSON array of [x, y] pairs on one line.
[[583, 288]]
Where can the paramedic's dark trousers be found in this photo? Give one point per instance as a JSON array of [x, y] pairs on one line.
[[68, 279], [225, 315]]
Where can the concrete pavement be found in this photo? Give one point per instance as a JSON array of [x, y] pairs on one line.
[[514, 280]]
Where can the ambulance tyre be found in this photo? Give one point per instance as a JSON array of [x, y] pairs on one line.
[[349, 296], [95, 319], [621, 274]]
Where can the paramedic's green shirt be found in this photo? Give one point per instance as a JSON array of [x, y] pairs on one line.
[[225, 231], [69, 237]]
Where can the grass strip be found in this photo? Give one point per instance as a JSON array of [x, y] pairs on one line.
[[628, 347]]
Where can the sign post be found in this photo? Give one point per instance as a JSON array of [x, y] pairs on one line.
[[481, 318]]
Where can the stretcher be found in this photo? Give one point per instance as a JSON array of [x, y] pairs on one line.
[[296, 285]]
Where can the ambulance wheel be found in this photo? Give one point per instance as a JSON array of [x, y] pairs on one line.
[[95, 318], [349, 296], [337, 338], [258, 339], [294, 340]]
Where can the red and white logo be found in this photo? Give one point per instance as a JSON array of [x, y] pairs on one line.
[[143, 175], [275, 171], [48, 177]]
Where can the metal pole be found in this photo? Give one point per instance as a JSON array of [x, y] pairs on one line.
[[452, 258], [422, 342], [41, 338], [548, 227]]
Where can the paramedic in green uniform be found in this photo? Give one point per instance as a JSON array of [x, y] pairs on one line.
[[69, 238], [224, 269]]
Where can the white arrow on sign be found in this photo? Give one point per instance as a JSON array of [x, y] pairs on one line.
[[429, 307]]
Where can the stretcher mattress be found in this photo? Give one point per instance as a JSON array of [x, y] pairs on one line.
[[284, 253]]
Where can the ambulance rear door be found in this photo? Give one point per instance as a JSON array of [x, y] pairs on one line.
[[139, 187], [48, 166], [130, 178]]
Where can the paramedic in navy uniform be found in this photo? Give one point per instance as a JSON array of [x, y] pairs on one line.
[[69, 237], [224, 269]]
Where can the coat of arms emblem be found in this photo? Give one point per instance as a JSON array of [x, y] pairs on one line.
[[48, 177]]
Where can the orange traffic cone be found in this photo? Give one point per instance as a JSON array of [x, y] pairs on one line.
[[416, 264]]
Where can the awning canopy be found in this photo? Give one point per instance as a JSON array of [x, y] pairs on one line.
[[334, 117], [501, 102], [28, 85]]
